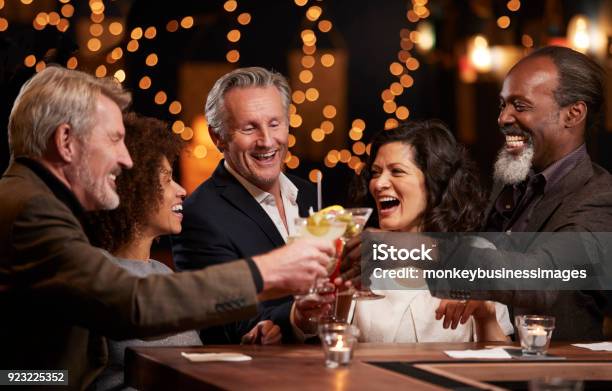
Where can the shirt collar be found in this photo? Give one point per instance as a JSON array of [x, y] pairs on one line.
[[59, 189], [556, 171], [288, 189]]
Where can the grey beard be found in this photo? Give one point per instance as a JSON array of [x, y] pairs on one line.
[[510, 169]]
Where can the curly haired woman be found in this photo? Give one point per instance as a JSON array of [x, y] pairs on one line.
[[420, 180], [151, 206]]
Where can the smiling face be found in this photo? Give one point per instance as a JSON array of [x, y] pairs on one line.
[[530, 117], [167, 219], [99, 159], [398, 187], [257, 129]]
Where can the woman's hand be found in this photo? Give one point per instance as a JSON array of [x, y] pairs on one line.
[[312, 307], [264, 333]]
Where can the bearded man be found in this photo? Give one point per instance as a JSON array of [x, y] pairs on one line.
[[545, 179]]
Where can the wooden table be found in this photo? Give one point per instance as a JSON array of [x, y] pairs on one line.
[[301, 367]]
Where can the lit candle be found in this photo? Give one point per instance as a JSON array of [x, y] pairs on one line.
[[339, 353], [538, 336]]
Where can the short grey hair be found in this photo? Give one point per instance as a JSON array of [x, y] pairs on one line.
[[53, 97], [241, 78]]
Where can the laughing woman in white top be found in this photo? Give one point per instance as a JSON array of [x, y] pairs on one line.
[[420, 180]]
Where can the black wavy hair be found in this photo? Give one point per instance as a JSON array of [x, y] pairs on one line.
[[455, 198], [148, 141]]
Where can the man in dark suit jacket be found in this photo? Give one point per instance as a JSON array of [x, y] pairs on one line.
[[224, 222], [60, 296], [248, 205], [546, 182]]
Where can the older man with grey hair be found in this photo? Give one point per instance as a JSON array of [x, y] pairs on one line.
[[248, 205], [59, 294]]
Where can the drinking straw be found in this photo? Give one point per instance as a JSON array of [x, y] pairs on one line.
[[319, 197]]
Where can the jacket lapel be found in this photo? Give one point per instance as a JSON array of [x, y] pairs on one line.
[[551, 201], [234, 193]]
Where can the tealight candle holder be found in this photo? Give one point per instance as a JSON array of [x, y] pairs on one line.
[[338, 341], [535, 332]]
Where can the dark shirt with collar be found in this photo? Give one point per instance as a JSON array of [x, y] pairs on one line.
[[514, 207], [60, 190]]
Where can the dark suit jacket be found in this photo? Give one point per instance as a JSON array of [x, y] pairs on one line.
[[59, 295], [223, 222], [580, 202]]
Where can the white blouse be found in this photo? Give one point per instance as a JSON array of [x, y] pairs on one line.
[[408, 315]]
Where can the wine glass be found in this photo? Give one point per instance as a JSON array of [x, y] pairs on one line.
[[356, 219]]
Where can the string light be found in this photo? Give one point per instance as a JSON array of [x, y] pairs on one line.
[[160, 98], [72, 63], [151, 60], [101, 71], [187, 22], [132, 46], [145, 83], [503, 22], [233, 36], [308, 61], [324, 26], [136, 33], [244, 18], [187, 133], [94, 44], [329, 111], [29, 61], [175, 107], [172, 26], [306, 76], [150, 32], [314, 13], [115, 28], [312, 94], [327, 60], [230, 5], [314, 174], [54, 18], [298, 97], [233, 56], [513, 5], [120, 75], [178, 126], [96, 29]]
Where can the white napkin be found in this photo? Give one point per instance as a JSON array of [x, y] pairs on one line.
[[483, 353], [204, 357], [601, 346]]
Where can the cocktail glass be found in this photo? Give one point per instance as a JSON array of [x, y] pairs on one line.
[[356, 219], [325, 227]]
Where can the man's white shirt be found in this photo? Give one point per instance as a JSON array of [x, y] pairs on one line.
[[289, 193]]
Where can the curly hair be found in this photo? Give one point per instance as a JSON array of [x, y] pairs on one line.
[[148, 141], [455, 200]]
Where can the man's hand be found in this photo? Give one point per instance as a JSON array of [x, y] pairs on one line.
[[459, 311], [292, 268], [264, 333]]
